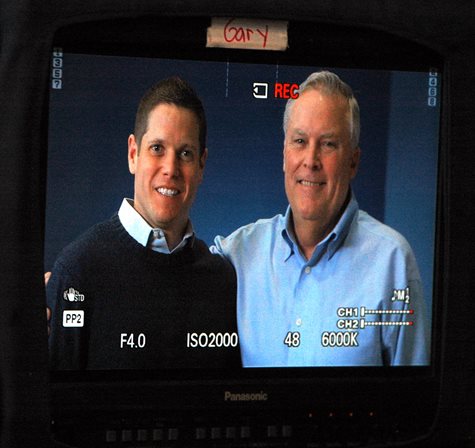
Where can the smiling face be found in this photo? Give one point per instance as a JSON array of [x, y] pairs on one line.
[[168, 167], [319, 160]]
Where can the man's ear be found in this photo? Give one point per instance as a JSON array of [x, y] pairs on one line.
[[202, 163], [203, 158], [283, 158], [133, 153], [355, 161]]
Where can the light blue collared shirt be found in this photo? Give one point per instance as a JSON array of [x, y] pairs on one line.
[[144, 234], [331, 310]]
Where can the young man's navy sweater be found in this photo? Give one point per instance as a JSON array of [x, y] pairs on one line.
[[141, 309]]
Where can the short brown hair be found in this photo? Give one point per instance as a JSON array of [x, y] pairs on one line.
[[170, 91]]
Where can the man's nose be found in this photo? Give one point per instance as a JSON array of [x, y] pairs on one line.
[[170, 163], [312, 157]]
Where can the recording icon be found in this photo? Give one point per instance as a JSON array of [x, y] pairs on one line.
[[259, 90]]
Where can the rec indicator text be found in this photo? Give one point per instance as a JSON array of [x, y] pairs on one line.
[[284, 90]]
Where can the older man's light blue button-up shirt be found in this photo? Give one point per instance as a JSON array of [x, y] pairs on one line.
[[350, 304]]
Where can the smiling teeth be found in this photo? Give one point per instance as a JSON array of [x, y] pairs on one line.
[[307, 183], [167, 192]]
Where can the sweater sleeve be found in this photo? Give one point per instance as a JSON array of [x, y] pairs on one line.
[[67, 339]]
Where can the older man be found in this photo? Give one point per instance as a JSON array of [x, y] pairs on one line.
[[325, 284]]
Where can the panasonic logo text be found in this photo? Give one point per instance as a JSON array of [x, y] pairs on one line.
[[259, 396]]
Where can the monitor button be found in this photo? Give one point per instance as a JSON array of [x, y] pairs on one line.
[[173, 434], [215, 433], [230, 432], [126, 435], [111, 436], [245, 432], [157, 434]]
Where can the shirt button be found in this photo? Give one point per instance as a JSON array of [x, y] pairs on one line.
[[308, 269], [298, 322]]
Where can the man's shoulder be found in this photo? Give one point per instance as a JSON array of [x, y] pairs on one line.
[[93, 241], [256, 232], [380, 234], [211, 260]]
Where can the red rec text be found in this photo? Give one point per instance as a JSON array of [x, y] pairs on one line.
[[286, 90]]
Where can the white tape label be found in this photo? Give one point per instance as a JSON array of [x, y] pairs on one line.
[[250, 34]]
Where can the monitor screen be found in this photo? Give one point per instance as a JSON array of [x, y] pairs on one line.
[[364, 306]]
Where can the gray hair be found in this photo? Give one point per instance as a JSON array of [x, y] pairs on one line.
[[330, 84]]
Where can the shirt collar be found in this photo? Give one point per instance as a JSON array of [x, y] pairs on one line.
[[146, 235], [333, 240]]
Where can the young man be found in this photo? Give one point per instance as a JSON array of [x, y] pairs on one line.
[[139, 290]]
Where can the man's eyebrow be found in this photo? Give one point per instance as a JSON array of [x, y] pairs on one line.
[[189, 146], [298, 131], [158, 140], [155, 141], [329, 135]]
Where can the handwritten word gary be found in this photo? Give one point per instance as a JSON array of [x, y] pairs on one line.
[[241, 34]]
